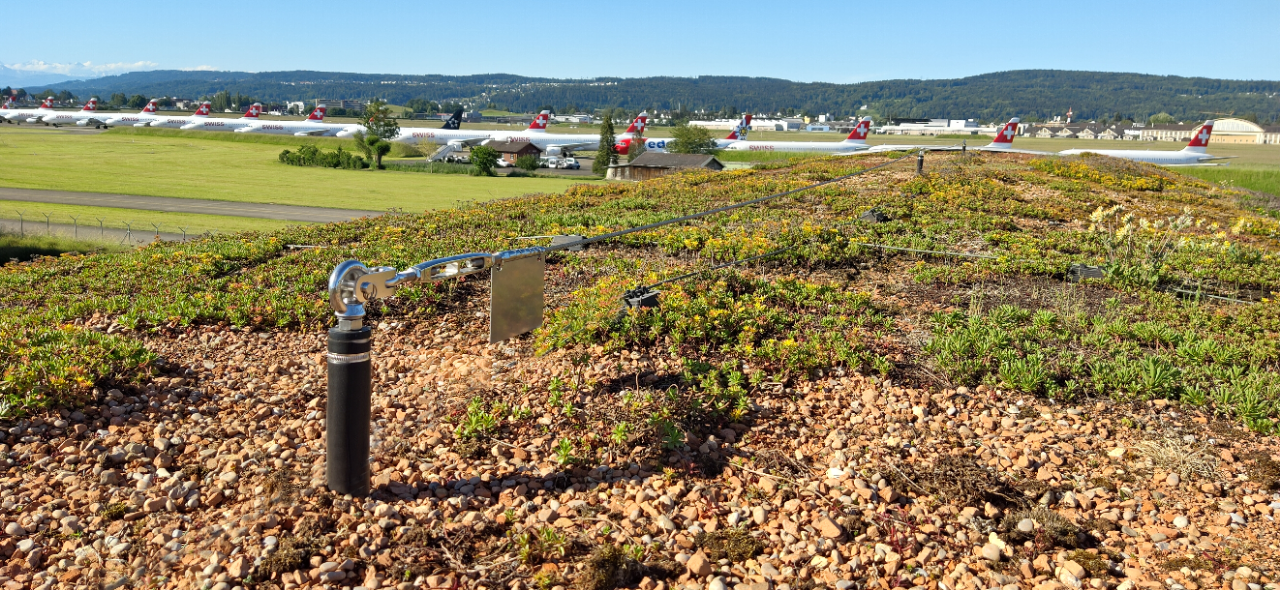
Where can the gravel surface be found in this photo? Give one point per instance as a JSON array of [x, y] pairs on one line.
[[211, 475]]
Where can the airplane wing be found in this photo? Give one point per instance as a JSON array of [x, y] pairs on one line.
[[474, 141], [571, 146], [1205, 161], [1011, 151]]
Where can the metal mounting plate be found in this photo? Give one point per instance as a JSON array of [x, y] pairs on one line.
[[516, 297]]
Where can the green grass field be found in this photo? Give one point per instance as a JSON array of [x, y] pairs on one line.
[[224, 167], [113, 217], [22, 248], [1266, 180]]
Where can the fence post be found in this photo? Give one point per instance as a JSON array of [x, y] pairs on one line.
[[47, 230], [350, 372], [22, 225], [75, 227], [102, 232], [184, 233], [157, 229], [920, 163]]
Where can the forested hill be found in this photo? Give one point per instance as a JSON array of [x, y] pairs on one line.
[[995, 96]]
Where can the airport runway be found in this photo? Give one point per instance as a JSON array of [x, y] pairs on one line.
[[175, 205]]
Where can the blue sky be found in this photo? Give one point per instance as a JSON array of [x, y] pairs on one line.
[[833, 41]]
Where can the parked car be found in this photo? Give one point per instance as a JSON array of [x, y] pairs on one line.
[[558, 162]]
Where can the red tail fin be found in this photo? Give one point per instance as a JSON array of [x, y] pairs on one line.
[[1201, 138], [733, 134], [203, 111], [8, 102], [47, 104], [860, 130], [255, 109], [1006, 135], [151, 106], [637, 126], [539, 122], [90, 106], [318, 114]]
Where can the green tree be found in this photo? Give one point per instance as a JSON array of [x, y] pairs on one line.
[[379, 122], [373, 148], [137, 101], [422, 105], [607, 153], [220, 101], [483, 159], [527, 162], [117, 100], [690, 139], [1161, 118]]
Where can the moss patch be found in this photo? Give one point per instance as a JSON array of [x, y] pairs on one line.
[[734, 544]]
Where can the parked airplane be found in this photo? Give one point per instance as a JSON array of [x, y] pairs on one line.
[[20, 115], [314, 125], [87, 115], [221, 124], [856, 141], [177, 121], [1192, 155], [146, 115]]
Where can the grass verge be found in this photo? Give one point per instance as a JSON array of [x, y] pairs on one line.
[[24, 247], [113, 217], [1256, 179]]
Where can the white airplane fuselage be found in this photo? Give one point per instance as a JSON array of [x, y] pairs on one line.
[[134, 119], [219, 124], [175, 121], [416, 135], [545, 140], [659, 144], [1181, 157], [80, 117], [796, 146], [21, 115], [299, 128]]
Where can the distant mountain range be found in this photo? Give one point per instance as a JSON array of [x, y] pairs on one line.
[[21, 78], [1035, 94]]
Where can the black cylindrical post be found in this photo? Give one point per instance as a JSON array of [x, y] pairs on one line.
[[347, 412], [920, 162]]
